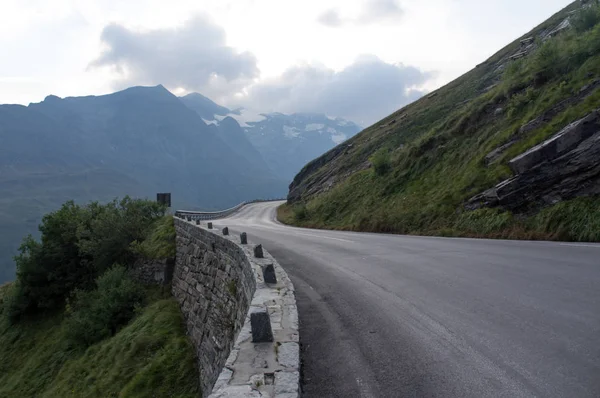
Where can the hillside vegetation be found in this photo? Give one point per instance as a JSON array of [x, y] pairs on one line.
[[414, 171], [76, 324]]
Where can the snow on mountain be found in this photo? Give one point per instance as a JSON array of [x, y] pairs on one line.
[[288, 142], [285, 142]]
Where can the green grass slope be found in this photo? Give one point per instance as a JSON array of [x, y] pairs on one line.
[[150, 357], [77, 323], [413, 171]]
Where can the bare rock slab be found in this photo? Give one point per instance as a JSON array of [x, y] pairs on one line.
[[288, 355], [286, 383]]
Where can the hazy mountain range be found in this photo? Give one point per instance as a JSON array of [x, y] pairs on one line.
[[141, 141], [286, 142]]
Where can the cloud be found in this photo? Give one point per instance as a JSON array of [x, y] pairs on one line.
[[330, 18], [376, 11], [372, 12], [193, 57], [365, 91]]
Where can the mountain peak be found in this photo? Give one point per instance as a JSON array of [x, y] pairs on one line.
[[204, 106], [52, 97], [159, 89]]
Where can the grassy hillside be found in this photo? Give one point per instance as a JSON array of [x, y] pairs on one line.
[[76, 323], [149, 357], [413, 171]]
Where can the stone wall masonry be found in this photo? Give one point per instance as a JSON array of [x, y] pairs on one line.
[[219, 283], [153, 271], [214, 286]]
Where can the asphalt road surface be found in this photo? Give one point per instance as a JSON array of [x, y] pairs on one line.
[[403, 316]]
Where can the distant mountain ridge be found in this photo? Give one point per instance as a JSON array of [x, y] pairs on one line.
[[140, 141], [285, 142], [136, 142]]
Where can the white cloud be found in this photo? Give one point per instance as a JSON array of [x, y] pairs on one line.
[[377, 11], [331, 18], [193, 57], [372, 11], [364, 92]]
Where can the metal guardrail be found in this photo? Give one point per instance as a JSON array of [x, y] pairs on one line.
[[213, 215]]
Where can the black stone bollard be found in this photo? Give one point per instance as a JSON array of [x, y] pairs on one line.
[[261, 326], [244, 238], [258, 251], [269, 273], [209, 225], [225, 231]]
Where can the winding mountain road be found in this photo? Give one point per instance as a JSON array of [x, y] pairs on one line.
[[406, 316]]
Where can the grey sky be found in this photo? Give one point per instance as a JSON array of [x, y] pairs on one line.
[[359, 59]]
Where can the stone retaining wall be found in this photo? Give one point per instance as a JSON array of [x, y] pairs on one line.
[[214, 285], [219, 283], [153, 271]]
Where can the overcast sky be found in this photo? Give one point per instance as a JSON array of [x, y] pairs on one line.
[[358, 59]]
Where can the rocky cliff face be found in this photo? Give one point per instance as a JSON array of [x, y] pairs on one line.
[[563, 167], [314, 178]]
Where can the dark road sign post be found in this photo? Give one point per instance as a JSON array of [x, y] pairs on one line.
[[164, 198]]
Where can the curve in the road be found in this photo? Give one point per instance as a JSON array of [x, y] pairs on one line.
[[407, 316]]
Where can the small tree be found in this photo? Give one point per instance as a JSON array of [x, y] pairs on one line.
[[381, 162], [548, 62], [586, 18]]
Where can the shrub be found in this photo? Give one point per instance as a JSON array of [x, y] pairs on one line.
[[48, 270], [99, 313], [514, 76], [11, 302], [586, 18], [78, 243], [108, 238], [161, 241], [589, 44], [381, 162], [300, 212], [520, 101], [548, 61]]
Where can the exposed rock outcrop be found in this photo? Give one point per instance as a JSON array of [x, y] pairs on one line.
[[562, 167], [303, 186], [542, 120]]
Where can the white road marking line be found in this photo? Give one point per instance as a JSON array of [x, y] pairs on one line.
[[580, 245], [324, 237]]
